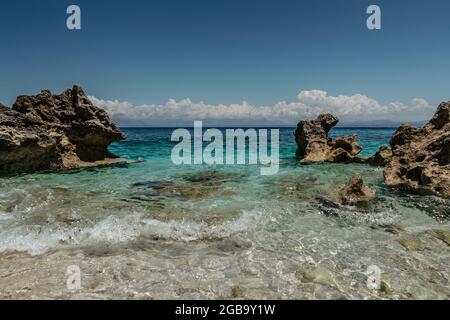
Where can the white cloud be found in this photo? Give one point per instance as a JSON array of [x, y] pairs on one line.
[[309, 104]]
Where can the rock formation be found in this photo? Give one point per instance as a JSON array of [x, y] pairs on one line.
[[421, 156], [381, 157], [54, 132], [314, 145], [355, 192]]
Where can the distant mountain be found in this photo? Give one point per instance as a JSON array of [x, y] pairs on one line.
[[380, 124]]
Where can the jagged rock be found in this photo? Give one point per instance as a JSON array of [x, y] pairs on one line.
[[421, 156], [314, 145], [354, 192], [25, 144], [381, 157], [54, 132]]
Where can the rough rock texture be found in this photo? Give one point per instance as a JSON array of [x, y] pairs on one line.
[[381, 157], [421, 156], [53, 132], [314, 145], [355, 192]]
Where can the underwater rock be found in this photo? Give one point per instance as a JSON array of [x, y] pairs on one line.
[[389, 228], [320, 275], [314, 145], [442, 235], [327, 203], [437, 208], [191, 186], [181, 191], [213, 177], [232, 245], [237, 292], [99, 250], [64, 218], [381, 157], [355, 192], [157, 185], [412, 244], [421, 156], [55, 132], [386, 287], [292, 187], [426, 293]]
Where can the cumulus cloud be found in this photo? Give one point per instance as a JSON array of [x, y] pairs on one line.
[[309, 104]]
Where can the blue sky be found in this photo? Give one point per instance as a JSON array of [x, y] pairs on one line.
[[222, 52]]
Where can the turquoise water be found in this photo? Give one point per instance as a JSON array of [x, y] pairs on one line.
[[228, 226], [155, 143]]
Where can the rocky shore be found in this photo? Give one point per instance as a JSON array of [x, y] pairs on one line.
[[142, 232], [421, 156], [418, 159], [55, 132], [66, 131]]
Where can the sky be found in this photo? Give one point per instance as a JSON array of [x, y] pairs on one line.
[[169, 62]]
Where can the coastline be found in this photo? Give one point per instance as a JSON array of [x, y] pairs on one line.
[[153, 230]]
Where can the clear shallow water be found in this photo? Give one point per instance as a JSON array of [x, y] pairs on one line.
[[205, 231]]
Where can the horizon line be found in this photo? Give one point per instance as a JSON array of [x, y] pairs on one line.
[[253, 127]]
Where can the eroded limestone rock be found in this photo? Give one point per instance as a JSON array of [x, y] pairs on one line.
[[314, 145], [355, 192], [421, 156], [55, 132]]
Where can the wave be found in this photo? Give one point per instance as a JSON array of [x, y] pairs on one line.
[[37, 240]]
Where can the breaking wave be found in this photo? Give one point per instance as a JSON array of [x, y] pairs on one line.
[[37, 240]]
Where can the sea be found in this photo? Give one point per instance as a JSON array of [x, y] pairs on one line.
[[152, 229]]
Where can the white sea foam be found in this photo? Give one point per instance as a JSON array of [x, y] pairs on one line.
[[190, 231], [113, 229], [4, 216], [37, 240], [34, 240]]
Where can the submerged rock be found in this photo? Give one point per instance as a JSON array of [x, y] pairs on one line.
[[314, 145], [355, 192], [237, 292], [442, 235], [65, 218], [320, 275], [212, 177], [386, 288], [233, 245], [190, 186], [389, 228], [421, 156], [54, 132], [156, 185], [412, 244], [426, 293]]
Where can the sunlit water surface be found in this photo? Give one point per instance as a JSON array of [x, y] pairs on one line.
[[163, 231]]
